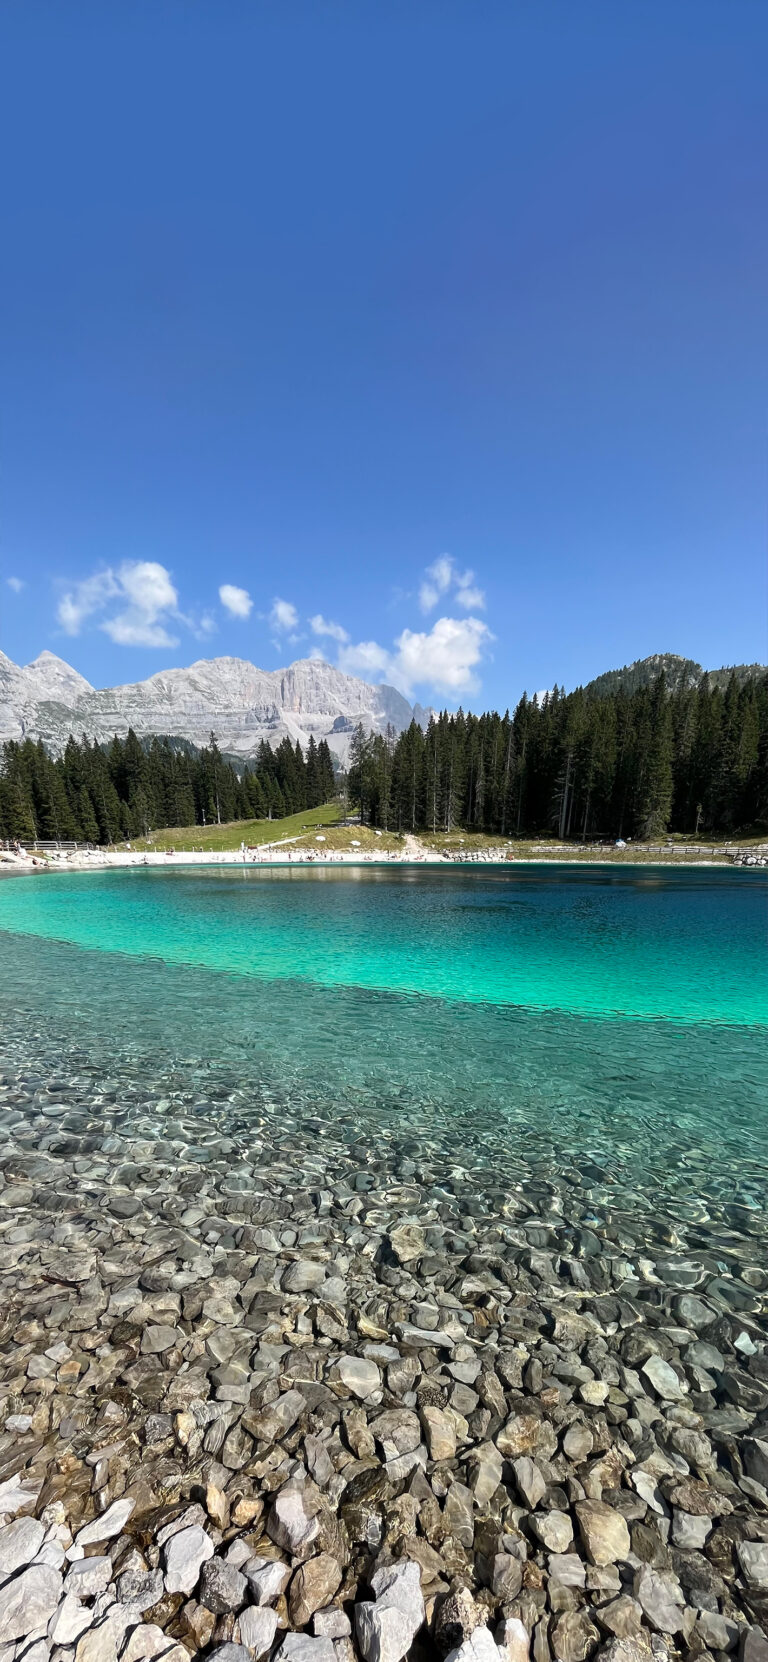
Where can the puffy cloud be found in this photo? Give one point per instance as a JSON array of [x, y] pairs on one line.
[[366, 659], [321, 626], [16, 583], [283, 615], [444, 657], [443, 575], [236, 601], [147, 587], [146, 596]]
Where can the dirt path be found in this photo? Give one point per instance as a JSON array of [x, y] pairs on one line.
[[415, 849]]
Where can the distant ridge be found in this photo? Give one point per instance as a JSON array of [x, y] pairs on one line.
[[243, 705], [680, 673]]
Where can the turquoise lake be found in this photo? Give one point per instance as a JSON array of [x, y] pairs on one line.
[[619, 1012]]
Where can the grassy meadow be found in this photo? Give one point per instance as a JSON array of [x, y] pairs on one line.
[[302, 830]]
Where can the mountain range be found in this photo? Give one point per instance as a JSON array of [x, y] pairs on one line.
[[242, 705]]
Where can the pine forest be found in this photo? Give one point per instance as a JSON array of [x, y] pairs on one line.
[[579, 766]]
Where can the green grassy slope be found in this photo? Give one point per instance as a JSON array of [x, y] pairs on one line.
[[218, 838]]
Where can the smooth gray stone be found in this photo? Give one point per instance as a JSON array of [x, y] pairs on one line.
[[20, 1542]]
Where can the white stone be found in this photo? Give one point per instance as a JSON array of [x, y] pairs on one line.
[[425, 1338], [407, 1240], [88, 1577], [360, 1376], [268, 1577], [258, 1626], [480, 1646], [486, 1468], [331, 1623], [156, 1340], [111, 1523], [185, 1555], [20, 1542], [40, 1651], [292, 1523], [146, 1641], [513, 1640], [17, 1495], [69, 1621], [717, 1632], [102, 1643], [28, 1602], [300, 1647], [52, 1553], [753, 1557], [386, 1630]]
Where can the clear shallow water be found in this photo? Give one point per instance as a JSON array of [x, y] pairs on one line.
[[682, 947], [505, 1018]]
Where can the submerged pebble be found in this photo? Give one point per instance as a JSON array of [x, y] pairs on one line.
[[313, 1380]]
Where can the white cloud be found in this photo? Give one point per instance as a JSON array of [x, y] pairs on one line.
[[437, 581], [471, 598], [443, 575], [133, 629], [86, 598], [236, 601], [16, 583], [367, 658], [147, 599], [321, 626], [444, 657], [283, 615]]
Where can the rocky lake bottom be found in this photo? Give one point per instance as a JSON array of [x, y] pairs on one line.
[[338, 1324]]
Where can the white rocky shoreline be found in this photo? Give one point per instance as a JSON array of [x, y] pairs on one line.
[[276, 855], [318, 1393]]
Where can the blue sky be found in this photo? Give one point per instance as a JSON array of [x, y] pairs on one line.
[[443, 325]]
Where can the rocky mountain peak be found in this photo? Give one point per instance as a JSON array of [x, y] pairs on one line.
[[241, 703]]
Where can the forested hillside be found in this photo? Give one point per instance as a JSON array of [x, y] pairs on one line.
[[681, 674], [579, 765], [99, 793]]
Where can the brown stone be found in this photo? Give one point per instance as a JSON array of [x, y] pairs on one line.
[[574, 1636], [312, 1587]]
